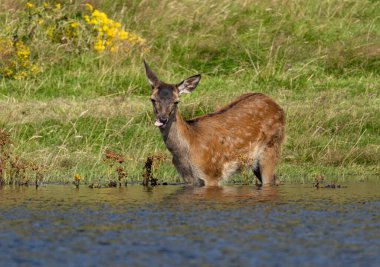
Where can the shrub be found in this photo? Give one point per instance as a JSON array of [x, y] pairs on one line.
[[77, 28]]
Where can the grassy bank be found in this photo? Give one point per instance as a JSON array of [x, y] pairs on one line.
[[319, 60]]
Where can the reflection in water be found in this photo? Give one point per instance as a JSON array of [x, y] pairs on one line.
[[225, 194], [179, 225]]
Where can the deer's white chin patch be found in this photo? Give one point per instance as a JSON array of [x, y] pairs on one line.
[[158, 123]]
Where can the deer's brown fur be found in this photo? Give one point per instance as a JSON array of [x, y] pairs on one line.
[[210, 148]]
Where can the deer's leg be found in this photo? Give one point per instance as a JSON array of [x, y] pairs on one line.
[[199, 182], [257, 171]]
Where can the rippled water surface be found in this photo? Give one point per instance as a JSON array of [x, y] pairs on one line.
[[289, 225]]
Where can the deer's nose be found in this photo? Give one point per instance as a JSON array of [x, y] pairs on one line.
[[163, 119]]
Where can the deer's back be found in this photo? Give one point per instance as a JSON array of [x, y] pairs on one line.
[[252, 117], [238, 131]]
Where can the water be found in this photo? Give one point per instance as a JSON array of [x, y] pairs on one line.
[[289, 225]]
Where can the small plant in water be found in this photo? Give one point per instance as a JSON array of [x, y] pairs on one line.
[[319, 179], [152, 164], [76, 181], [115, 164], [121, 174], [4, 154], [39, 178], [18, 172], [13, 169]]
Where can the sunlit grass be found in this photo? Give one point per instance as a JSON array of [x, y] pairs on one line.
[[319, 60]]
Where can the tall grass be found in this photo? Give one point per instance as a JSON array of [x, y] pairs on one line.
[[319, 59]]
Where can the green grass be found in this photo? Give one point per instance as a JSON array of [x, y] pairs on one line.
[[320, 60]]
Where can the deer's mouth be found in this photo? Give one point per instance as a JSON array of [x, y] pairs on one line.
[[161, 122]]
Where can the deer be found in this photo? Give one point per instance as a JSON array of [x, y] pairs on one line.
[[208, 149]]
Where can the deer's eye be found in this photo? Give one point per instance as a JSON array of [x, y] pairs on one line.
[[153, 100], [176, 102]]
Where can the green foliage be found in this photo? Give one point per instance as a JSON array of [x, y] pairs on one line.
[[319, 59], [37, 28]]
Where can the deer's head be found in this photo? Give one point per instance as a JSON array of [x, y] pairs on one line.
[[165, 97]]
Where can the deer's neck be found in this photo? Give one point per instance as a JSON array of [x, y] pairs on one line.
[[176, 136]]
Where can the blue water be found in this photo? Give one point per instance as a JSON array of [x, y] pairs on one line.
[[289, 225]]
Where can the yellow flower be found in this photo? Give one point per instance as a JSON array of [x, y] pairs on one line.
[[89, 7], [77, 177], [111, 32], [103, 16], [93, 21], [20, 75], [24, 63], [41, 21], [46, 4], [99, 46], [96, 13], [105, 28], [30, 5], [13, 63], [7, 72], [124, 35], [22, 50], [74, 24], [58, 6], [35, 69]]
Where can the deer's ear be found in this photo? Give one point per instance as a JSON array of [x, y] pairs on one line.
[[152, 78], [188, 85]]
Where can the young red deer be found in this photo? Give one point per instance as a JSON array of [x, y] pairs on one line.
[[208, 149]]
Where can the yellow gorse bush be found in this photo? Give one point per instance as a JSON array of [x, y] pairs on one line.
[[109, 33], [14, 60], [54, 23]]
